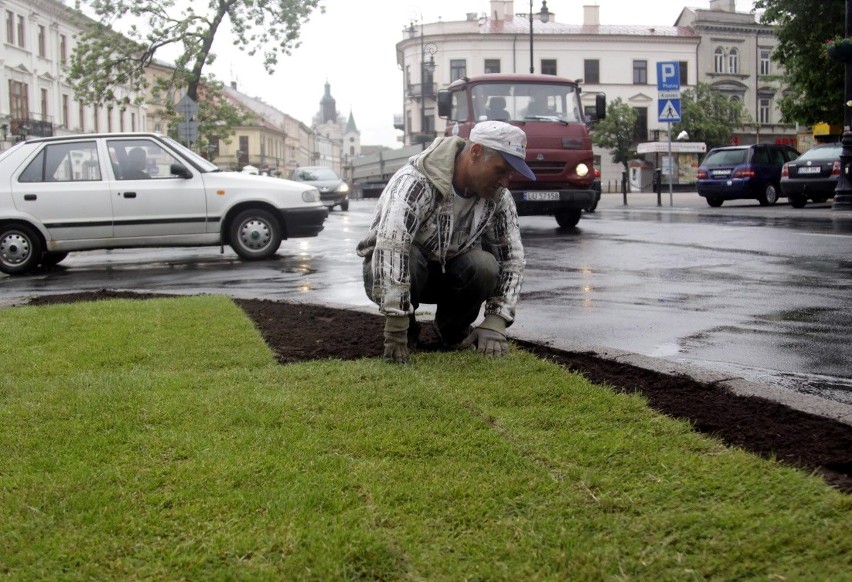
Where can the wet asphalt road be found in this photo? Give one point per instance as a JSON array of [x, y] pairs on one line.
[[764, 294]]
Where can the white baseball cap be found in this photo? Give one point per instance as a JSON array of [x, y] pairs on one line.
[[509, 140]]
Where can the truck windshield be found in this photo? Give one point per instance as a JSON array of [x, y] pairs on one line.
[[526, 101]]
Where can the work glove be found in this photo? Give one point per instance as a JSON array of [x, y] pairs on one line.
[[396, 339], [489, 338]]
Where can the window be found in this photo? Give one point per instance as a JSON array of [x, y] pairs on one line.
[[733, 61], [67, 162], [63, 49], [109, 119], [139, 159], [764, 107], [18, 100], [10, 27], [492, 66], [242, 154], [44, 104], [592, 71], [640, 72], [132, 122], [458, 69], [765, 62], [121, 121], [21, 31], [719, 60], [65, 119], [458, 111], [96, 115], [42, 42], [641, 127], [81, 115], [683, 67], [548, 66]]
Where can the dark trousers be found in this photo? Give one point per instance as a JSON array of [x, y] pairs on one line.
[[459, 293]]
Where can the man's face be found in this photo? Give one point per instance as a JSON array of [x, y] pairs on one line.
[[490, 172]]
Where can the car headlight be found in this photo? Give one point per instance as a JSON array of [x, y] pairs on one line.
[[582, 170], [311, 195], [343, 188]]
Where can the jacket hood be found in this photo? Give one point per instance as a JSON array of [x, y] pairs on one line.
[[438, 161]]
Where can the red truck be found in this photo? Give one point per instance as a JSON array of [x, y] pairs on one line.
[[559, 149]]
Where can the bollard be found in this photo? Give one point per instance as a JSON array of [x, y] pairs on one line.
[[658, 185], [624, 186]]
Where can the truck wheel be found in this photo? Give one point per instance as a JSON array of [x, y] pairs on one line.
[[255, 234], [20, 249], [568, 218], [798, 201], [714, 202], [769, 196], [49, 259]]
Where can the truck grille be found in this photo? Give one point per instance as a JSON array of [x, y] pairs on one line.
[[547, 168]]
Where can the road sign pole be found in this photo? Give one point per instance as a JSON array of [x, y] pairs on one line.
[[671, 167]]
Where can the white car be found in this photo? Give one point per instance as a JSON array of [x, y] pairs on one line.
[[101, 191]]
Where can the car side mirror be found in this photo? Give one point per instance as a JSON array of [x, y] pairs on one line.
[[180, 171]]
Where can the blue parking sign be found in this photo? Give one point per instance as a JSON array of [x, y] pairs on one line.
[[668, 76]]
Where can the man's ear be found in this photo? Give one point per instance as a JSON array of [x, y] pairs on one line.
[[477, 151]]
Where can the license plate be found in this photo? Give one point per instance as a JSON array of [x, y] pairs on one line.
[[810, 170], [720, 173], [541, 196]]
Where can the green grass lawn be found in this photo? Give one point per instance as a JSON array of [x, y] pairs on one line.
[[160, 440]]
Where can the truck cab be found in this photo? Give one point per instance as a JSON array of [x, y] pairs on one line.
[[559, 149]]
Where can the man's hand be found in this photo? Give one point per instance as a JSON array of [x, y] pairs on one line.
[[489, 338], [396, 339]]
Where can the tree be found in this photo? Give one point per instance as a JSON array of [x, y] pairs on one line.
[[708, 116], [617, 131], [815, 83], [109, 61]]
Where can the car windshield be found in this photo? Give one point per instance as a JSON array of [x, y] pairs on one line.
[[526, 101], [200, 163], [822, 152], [314, 174], [725, 158]]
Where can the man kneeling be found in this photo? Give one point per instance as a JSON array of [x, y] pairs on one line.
[[446, 232]]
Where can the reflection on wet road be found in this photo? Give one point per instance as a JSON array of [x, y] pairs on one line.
[[760, 293]]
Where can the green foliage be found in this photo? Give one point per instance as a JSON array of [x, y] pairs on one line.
[[108, 63], [617, 132], [708, 116], [158, 440], [815, 82]]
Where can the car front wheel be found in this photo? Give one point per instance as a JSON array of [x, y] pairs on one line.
[[20, 249], [769, 196], [255, 234], [568, 218], [344, 206]]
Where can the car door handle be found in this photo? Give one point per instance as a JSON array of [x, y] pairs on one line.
[[129, 194], [30, 197]]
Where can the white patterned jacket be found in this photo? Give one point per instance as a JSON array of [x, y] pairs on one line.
[[416, 207]]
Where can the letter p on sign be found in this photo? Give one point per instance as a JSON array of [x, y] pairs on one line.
[[668, 76]]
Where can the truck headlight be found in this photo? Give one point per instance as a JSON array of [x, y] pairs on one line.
[[311, 195], [582, 170]]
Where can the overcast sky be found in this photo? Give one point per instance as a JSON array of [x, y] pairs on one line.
[[352, 46]]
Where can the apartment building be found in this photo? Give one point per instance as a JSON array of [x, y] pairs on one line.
[[35, 98], [618, 60]]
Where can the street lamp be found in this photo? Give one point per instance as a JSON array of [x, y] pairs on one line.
[[544, 16], [427, 68]]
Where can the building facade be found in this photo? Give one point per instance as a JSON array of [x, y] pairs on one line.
[[618, 60], [35, 98]]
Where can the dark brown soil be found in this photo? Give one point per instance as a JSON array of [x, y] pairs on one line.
[[298, 332]]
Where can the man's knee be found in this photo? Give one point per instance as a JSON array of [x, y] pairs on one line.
[[476, 267]]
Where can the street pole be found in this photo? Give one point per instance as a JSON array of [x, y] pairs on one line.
[[671, 167], [843, 192], [422, 84], [532, 67]]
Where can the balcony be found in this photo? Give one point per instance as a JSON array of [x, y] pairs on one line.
[[398, 121], [29, 127], [422, 90]]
